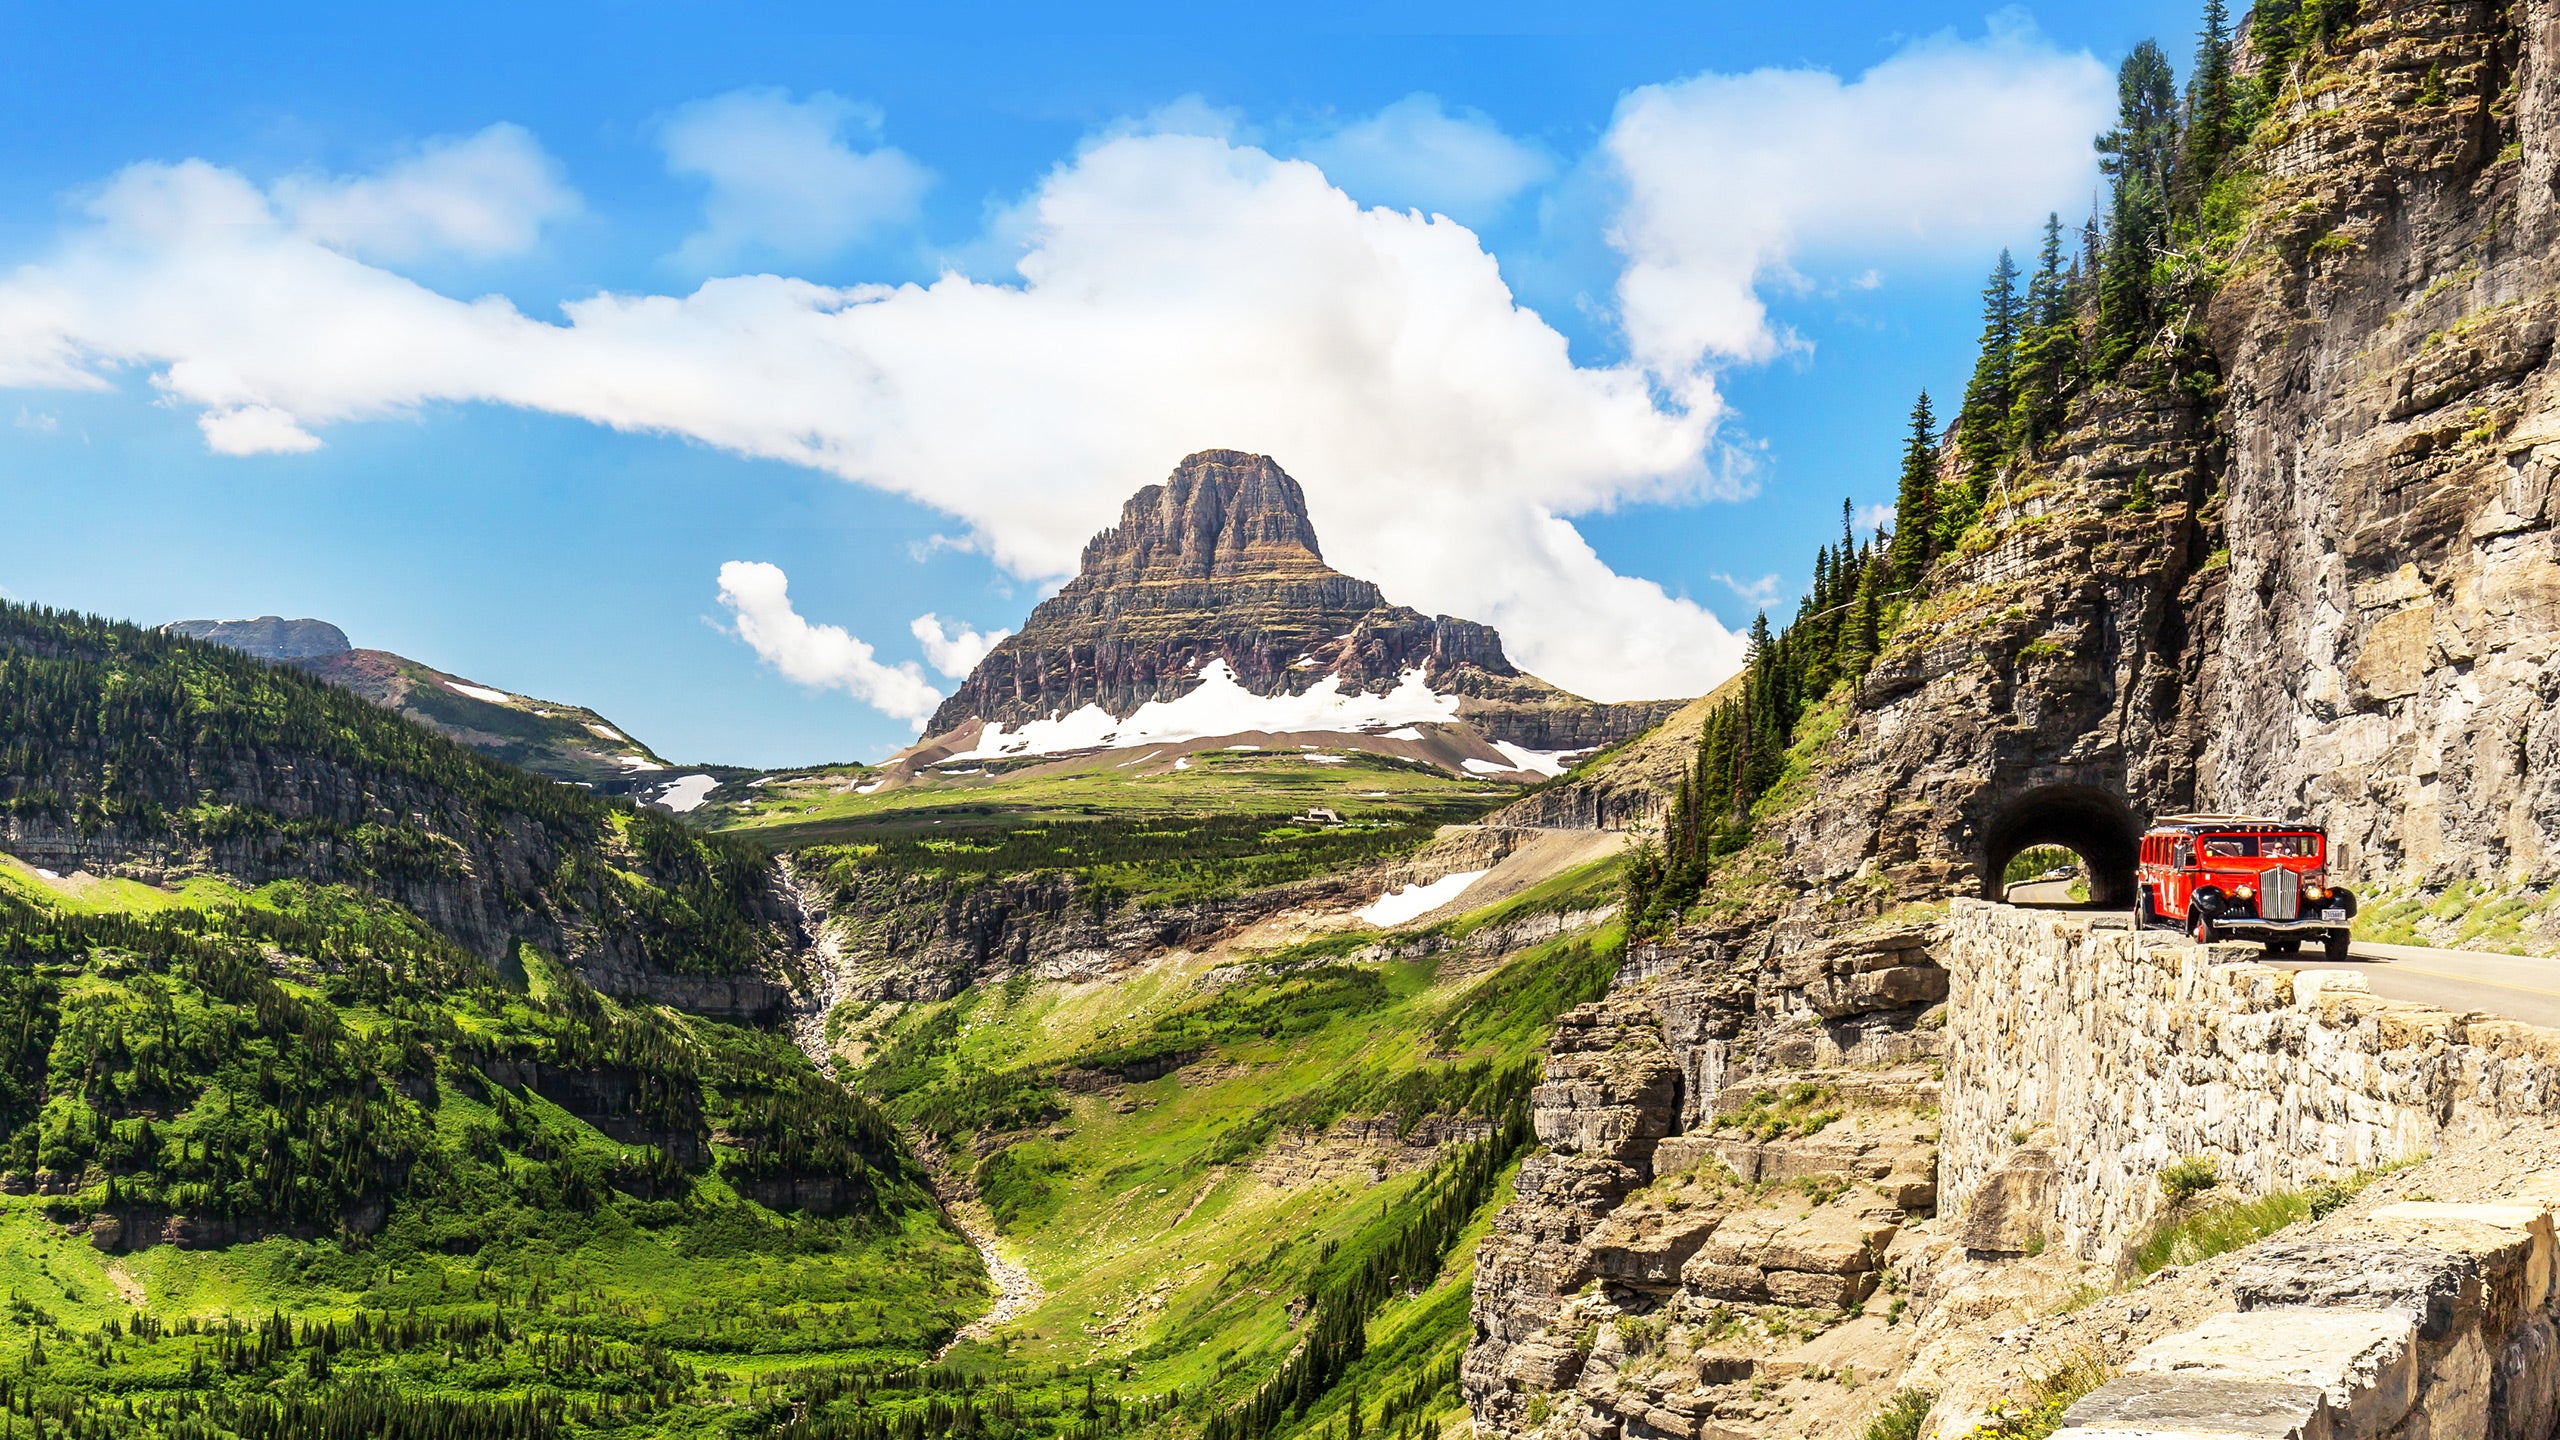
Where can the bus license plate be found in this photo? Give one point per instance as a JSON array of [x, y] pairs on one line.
[[2333, 913]]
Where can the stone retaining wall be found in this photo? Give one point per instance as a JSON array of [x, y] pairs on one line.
[[2081, 1059], [2426, 1322]]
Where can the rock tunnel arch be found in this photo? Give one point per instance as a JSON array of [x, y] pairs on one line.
[[2092, 820]]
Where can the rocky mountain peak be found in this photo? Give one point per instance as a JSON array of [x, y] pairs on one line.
[[1222, 514], [1218, 566]]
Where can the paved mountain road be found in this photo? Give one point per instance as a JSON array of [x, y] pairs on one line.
[[2519, 987]]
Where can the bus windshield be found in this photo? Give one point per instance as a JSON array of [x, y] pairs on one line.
[[2272, 847]]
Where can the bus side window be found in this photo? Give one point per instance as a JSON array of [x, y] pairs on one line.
[[2186, 858]]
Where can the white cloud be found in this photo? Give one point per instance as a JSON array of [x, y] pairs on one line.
[[925, 549], [40, 422], [783, 181], [819, 656], [254, 430], [1179, 293], [1872, 518], [955, 651], [1761, 593], [1416, 153], [1949, 147], [483, 195]]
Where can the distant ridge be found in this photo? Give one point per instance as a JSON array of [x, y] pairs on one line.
[[569, 743]]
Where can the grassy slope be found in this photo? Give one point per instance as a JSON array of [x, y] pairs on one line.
[[623, 1315], [1163, 1254], [811, 807]]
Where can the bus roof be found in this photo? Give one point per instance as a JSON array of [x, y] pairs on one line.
[[2191, 824]]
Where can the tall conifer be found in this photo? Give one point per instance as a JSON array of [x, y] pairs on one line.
[[1981, 424], [2047, 352], [2213, 112], [2139, 154], [1915, 515]]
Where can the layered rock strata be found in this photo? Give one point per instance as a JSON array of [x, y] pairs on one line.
[[1220, 563], [1708, 1197]]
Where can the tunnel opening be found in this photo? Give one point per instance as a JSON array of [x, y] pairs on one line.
[[2094, 825]]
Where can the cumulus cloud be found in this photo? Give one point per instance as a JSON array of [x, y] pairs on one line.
[[254, 430], [482, 195], [1949, 147], [784, 183], [822, 657], [1178, 293], [1415, 152], [954, 651]]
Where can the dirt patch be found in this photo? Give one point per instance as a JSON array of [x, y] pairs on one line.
[[128, 1285]]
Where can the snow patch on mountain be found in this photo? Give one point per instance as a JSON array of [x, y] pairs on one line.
[[1219, 705], [1549, 763], [687, 794], [1397, 906], [480, 692]]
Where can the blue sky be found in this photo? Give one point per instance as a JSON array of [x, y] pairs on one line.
[[246, 386]]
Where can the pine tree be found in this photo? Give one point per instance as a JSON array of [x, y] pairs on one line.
[[2213, 113], [2139, 154], [1914, 506], [1982, 423], [2272, 39], [2047, 352]]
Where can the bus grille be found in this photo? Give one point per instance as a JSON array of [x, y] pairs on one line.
[[2280, 895]]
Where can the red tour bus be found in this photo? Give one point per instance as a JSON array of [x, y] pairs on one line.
[[2239, 877]]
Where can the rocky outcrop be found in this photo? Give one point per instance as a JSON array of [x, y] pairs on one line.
[[1694, 1176], [1220, 563], [902, 935], [269, 637]]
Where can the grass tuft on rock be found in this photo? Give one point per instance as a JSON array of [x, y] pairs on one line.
[[1901, 1417]]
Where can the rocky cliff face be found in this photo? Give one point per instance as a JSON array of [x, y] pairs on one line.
[[2346, 603], [1220, 563], [900, 935], [1732, 1146], [2326, 585], [2389, 643], [2314, 571]]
